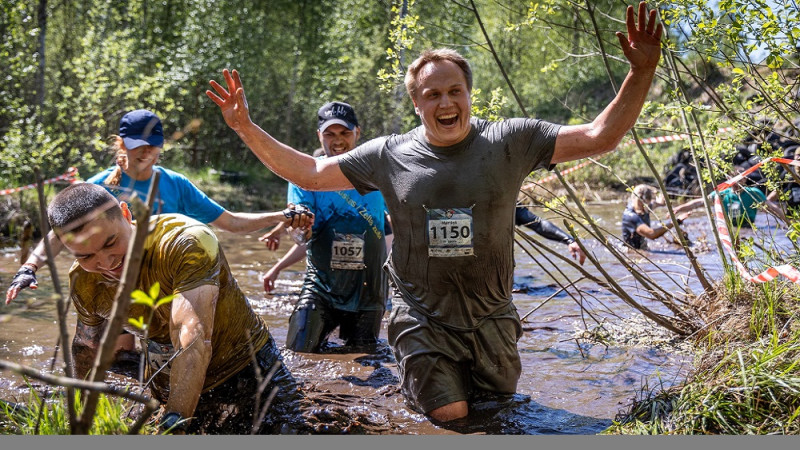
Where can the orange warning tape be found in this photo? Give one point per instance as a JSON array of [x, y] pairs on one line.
[[771, 273], [71, 175]]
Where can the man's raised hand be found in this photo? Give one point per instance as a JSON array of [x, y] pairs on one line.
[[642, 46], [231, 101]]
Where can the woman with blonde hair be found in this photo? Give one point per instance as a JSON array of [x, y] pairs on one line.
[[636, 228]]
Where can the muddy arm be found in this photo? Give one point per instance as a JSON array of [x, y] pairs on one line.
[[301, 169], [191, 327], [84, 348]]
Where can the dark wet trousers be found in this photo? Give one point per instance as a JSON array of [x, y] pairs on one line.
[[313, 319], [230, 407]]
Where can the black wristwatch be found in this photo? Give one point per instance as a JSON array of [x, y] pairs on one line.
[[172, 421]]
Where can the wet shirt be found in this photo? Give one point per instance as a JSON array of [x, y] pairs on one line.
[[180, 254], [630, 222], [176, 194], [742, 206], [347, 249], [452, 211]]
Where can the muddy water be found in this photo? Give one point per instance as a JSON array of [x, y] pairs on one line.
[[568, 386]]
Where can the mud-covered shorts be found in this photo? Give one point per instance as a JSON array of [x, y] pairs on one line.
[[439, 366]]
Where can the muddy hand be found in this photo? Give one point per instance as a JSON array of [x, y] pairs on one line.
[[231, 101], [642, 46], [25, 278], [298, 217]]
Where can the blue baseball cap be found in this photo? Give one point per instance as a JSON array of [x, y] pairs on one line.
[[141, 127]]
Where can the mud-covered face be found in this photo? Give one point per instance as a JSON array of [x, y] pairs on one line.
[[337, 139], [101, 245], [443, 103]]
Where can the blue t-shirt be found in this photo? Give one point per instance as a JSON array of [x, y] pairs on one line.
[[176, 194], [347, 248]]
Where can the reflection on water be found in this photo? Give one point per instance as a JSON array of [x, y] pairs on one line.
[[567, 385]]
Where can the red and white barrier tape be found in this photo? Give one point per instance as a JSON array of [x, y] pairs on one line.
[[724, 234], [650, 140], [71, 175]]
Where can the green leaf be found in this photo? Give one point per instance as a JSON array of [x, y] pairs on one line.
[[164, 301], [140, 298], [138, 323], [154, 290]]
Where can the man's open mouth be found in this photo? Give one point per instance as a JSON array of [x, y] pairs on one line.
[[116, 269], [447, 119]]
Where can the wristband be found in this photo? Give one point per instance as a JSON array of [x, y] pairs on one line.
[[25, 270], [32, 266]]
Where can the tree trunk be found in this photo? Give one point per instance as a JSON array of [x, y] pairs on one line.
[[41, 14]]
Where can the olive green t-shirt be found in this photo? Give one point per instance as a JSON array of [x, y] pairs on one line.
[[180, 254]]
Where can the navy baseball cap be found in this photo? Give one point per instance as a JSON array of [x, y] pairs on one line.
[[336, 113], [141, 127]]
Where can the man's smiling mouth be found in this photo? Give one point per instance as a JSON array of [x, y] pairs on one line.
[[447, 119]]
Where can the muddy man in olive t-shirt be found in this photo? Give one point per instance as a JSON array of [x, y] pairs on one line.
[[181, 254]]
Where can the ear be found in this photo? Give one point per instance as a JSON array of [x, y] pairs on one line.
[[126, 213], [416, 108], [358, 133]]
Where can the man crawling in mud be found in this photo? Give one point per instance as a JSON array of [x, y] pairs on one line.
[[450, 186], [209, 344]]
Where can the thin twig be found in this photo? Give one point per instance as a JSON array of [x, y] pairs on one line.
[[74, 383], [563, 288], [62, 304]]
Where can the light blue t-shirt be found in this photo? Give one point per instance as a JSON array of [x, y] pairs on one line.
[[176, 194]]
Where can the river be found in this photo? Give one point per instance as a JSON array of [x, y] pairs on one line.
[[568, 386]]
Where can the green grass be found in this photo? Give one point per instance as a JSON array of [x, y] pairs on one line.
[[747, 380], [112, 416]]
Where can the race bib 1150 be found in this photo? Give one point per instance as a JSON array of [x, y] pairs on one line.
[[450, 232]]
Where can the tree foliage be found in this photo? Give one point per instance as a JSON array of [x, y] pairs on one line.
[[735, 59]]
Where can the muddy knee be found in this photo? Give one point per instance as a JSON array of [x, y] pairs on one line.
[[451, 411]]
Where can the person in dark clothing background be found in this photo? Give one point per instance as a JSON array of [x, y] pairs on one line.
[[523, 217]]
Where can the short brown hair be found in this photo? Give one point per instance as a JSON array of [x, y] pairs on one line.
[[439, 54]]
